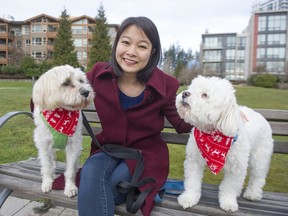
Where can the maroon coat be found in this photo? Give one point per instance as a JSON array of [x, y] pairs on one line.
[[138, 127]]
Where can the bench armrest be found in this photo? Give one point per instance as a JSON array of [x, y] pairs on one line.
[[7, 116]]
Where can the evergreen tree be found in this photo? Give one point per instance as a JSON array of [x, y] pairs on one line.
[[64, 49], [101, 48]]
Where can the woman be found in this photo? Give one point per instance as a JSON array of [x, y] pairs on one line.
[[132, 98]]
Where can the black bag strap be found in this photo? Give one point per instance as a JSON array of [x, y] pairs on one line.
[[135, 199]]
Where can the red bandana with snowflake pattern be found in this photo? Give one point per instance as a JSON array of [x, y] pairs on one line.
[[214, 148]]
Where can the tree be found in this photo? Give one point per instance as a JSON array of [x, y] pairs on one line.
[[176, 60], [101, 48], [64, 49]]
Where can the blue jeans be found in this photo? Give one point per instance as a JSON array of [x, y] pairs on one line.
[[98, 193]]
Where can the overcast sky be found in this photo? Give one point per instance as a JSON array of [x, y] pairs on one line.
[[179, 21]]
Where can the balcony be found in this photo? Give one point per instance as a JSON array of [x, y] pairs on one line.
[[49, 48], [3, 47], [9, 35], [3, 61], [51, 34]]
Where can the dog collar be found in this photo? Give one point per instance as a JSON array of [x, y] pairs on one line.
[[214, 147], [62, 124]]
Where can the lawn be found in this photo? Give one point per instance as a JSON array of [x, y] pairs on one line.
[[16, 140]]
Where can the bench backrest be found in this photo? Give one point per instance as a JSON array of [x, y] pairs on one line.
[[278, 120]]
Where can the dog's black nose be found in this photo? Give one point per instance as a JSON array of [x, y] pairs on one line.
[[185, 94], [85, 93]]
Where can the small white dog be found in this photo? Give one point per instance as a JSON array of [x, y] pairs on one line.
[[58, 96], [225, 135]]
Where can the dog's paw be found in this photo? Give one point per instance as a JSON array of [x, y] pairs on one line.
[[46, 185], [71, 191], [229, 206], [252, 195], [187, 200]]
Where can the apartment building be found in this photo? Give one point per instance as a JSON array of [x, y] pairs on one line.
[[225, 55], [269, 41], [35, 37], [263, 46], [270, 5]]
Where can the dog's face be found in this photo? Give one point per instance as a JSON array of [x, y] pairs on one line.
[[62, 87], [206, 102]]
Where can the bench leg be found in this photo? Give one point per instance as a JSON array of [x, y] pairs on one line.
[[4, 195]]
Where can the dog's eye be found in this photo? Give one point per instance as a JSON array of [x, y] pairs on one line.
[[67, 83], [81, 81], [204, 96]]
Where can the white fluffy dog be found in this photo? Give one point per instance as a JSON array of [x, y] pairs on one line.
[[223, 127], [58, 96]]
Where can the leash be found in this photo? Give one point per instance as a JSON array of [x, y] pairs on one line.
[[135, 198]]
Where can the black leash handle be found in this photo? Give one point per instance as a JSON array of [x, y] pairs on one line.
[[134, 200]]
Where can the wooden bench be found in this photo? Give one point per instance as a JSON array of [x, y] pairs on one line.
[[24, 177]]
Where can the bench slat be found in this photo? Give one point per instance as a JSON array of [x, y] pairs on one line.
[[273, 114]]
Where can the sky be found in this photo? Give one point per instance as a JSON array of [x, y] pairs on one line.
[[179, 22]]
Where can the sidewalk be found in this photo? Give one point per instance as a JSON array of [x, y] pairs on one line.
[[21, 207]]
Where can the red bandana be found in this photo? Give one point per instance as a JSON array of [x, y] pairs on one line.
[[63, 121], [214, 148]]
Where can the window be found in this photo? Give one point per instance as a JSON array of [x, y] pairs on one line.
[[261, 39], [44, 28], [230, 67], [240, 67], [231, 41], [82, 21], [209, 67], [76, 29], [278, 52], [260, 53], [277, 22], [27, 42], [82, 55], [36, 41], [80, 42], [36, 28], [275, 67], [19, 44], [240, 54], [262, 23], [26, 30], [230, 54], [212, 42], [241, 41], [276, 39], [38, 54], [214, 55]]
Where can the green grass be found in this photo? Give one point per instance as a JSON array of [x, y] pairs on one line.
[[16, 137]]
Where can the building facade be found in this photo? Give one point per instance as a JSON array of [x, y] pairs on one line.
[[269, 42], [35, 37], [262, 47], [225, 55]]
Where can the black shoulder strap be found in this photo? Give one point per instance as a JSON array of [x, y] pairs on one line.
[[135, 198]]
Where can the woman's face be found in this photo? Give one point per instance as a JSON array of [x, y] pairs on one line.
[[133, 50]]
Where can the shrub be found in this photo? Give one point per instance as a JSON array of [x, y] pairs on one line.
[[265, 80], [11, 70]]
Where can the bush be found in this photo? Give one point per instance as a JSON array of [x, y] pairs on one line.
[[11, 70], [265, 80]]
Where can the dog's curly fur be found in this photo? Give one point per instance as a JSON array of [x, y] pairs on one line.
[[61, 87], [210, 104]]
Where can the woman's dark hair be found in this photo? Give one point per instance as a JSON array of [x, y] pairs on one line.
[[149, 28]]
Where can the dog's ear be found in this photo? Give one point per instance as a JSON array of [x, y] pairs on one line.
[[44, 90], [229, 121]]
